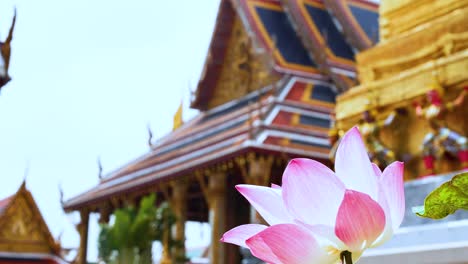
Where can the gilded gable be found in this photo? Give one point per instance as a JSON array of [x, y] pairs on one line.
[[243, 70], [22, 228]]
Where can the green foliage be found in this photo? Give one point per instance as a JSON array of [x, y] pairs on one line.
[[129, 239], [447, 198]]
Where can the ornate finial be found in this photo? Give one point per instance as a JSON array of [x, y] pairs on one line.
[[62, 202], [5, 50], [99, 168], [23, 185], [150, 136]]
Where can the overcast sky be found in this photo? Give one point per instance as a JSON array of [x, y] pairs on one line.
[[88, 76]]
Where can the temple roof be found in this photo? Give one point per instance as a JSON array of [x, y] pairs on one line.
[[23, 230], [314, 59], [309, 38], [293, 120]]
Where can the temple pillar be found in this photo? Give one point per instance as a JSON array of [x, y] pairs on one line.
[[179, 207], [104, 214], [82, 228], [215, 195], [166, 255], [217, 214], [166, 249]]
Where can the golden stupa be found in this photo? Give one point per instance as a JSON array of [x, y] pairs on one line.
[[420, 69]]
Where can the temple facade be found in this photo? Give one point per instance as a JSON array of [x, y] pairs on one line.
[[24, 235], [266, 95]]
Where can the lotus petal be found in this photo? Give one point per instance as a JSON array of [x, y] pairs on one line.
[[360, 221], [312, 192], [353, 166], [240, 234], [267, 201], [287, 244]]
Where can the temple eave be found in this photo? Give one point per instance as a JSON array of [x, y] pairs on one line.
[[142, 184]]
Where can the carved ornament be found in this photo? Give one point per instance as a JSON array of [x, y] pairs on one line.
[[244, 70]]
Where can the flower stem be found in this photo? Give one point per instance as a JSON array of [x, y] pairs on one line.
[[345, 257]]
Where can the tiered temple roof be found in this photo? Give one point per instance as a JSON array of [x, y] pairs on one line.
[[293, 123], [310, 57]]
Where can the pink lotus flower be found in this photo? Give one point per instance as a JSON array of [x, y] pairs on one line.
[[318, 214]]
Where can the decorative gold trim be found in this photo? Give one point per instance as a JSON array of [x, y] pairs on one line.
[[406, 85], [409, 15]]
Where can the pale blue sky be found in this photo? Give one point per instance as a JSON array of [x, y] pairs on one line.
[[88, 76]]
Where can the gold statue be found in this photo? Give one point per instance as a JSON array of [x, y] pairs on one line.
[[370, 129], [441, 139]]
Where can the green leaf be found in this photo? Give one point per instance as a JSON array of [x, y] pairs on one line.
[[447, 198], [129, 238]]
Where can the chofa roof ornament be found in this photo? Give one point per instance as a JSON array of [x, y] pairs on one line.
[[5, 50]]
